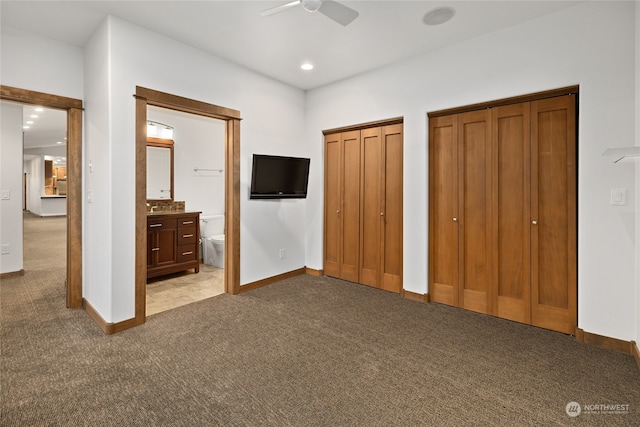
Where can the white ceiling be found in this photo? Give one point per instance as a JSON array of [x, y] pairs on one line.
[[385, 31]]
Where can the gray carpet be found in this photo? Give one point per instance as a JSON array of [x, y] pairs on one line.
[[307, 351]]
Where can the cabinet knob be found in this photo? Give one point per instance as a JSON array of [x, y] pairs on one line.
[[534, 222], [455, 219]]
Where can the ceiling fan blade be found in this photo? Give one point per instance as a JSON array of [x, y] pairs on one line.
[[280, 8], [340, 13]]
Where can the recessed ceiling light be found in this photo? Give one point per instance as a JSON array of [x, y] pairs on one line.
[[34, 116], [29, 122], [439, 15], [59, 142], [25, 127], [307, 66], [38, 109]]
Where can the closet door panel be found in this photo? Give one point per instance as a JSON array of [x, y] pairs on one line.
[[554, 213], [511, 212], [332, 197], [350, 212], [391, 244], [475, 221], [443, 209], [370, 218]]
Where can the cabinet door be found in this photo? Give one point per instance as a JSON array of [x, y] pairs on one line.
[[392, 194], [350, 212], [443, 209], [553, 214], [342, 205], [511, 202], [166, 244], [370, 206], [332, 204], [151, 252], [474, 168]]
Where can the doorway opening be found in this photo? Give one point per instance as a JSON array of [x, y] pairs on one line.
[[186, 168], [73, 108], [231, 170]]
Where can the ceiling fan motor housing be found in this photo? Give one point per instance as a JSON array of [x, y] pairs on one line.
[[311, 5]]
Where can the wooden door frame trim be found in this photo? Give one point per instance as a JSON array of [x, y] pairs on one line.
[[145, 97], [74, 109], [553, 93]]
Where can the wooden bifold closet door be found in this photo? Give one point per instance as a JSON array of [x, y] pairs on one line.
[[363, 206], [502, 206]]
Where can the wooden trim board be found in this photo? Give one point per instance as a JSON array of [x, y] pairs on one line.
[[12, 274], [107, 328], [269, 280], [313, 272], [424, 298], [506, 101], [635, 352], [604, 342]]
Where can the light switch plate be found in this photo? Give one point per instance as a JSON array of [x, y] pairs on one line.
[[618, 197], [6, 194]]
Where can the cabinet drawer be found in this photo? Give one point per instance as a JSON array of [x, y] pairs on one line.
[[187, 253], [187, 235], [187, 221], [161, 223]]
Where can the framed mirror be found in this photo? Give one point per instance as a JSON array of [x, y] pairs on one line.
[[159, 169]]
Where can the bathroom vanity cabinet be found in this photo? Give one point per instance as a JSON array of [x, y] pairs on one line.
[[173, 243]]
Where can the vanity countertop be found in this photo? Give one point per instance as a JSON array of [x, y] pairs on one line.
[[158, 213]]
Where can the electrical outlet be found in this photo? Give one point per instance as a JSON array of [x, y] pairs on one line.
[[618, 197], [283, 254], [6, 249]]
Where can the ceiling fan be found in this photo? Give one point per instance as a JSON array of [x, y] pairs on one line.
[[340, 13]]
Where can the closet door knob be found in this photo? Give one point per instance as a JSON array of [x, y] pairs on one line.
[[534, 222], [381, 213], [455, 219]]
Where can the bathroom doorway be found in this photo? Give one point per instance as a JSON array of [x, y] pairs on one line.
[[231, 170], [196, 177]]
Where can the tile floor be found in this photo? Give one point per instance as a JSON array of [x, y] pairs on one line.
[[175, 290]]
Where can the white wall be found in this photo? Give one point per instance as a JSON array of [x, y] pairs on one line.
[[121, 56], [24, 57], [198, 142], [591, 45], [637, 142], [11, 182], [27, 57]]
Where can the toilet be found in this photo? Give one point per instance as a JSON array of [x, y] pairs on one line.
[[212, 236]]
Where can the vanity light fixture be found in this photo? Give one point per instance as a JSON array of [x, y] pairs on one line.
[[439, 16], [159, 130]]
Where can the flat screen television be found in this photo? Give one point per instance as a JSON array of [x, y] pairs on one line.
[[278, 177]]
